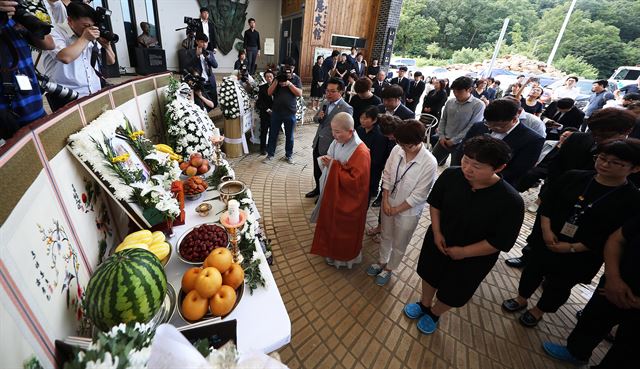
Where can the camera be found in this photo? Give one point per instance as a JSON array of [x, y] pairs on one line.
[[29, 21], [194, 81], [284, 75], [102, 23], [192, 24], [54, 89], [244, 74]]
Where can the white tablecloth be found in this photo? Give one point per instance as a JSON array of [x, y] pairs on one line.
[[263, 322]]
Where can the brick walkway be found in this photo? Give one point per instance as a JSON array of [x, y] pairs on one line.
[[341, 319]]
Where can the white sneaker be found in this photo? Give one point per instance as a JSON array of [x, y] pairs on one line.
[[533, 208]]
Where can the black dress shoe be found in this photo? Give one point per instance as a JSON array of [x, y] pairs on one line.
[[313, 193], [579, 314], [516, 262]]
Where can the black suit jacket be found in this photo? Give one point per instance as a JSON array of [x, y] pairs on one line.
[[401, 112], [377, 89], [576, 153], [213, 44], [264, 101], [525, 147], [573, 118], [405, 84]]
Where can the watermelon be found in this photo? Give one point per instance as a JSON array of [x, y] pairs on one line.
[[129, 286]]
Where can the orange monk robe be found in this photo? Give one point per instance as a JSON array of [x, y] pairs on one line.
[[343, 208]]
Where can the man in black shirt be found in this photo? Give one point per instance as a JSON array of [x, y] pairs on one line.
[[284, 89], [252, 45], [617, 302]]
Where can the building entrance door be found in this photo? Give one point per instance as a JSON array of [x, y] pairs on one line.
[[291, 39]]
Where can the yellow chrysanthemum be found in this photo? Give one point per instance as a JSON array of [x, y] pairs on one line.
[[136, 134], [120, 158]]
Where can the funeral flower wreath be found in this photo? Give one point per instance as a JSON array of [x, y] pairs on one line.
[[94, 145]]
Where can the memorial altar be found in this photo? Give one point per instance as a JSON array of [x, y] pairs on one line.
[[63, 217]]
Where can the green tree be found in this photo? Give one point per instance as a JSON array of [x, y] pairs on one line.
[[576, 65], [433, 49], [414, 31]]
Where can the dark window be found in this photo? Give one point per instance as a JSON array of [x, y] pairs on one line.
[[347, 41]]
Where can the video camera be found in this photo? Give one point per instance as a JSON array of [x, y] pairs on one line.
[[29, 21], [102, 21], [192, 24], [194, 81], [284, 74]]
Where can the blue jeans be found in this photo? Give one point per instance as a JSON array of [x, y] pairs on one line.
[[289, 121]]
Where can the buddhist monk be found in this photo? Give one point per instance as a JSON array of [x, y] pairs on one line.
[[341, 210]]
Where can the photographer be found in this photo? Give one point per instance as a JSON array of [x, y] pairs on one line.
[[20, 97], [72, 63], [203, 61], [284, 89], [196, 82]]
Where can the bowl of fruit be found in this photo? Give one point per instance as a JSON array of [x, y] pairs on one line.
[[197, 243], [194, 187], [213, 290], [196, 165]]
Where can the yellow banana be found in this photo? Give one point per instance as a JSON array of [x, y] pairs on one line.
[[164, 148]]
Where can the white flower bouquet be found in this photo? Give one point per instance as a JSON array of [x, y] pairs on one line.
[[229, 97], [189, 128]]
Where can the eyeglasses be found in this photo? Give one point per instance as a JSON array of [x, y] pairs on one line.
[[613, 163]]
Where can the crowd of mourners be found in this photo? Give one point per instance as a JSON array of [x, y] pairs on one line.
[[380, 142]]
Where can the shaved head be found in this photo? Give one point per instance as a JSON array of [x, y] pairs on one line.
[[342, 121]]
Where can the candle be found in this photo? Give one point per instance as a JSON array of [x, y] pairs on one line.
[[234, 212], [216, 133]]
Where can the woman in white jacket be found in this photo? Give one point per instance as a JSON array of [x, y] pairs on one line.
[[406, 181]]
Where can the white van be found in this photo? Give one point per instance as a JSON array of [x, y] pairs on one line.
[[624, 76]]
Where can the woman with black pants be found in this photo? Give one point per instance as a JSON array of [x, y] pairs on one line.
[[578, 212], [264, 104]]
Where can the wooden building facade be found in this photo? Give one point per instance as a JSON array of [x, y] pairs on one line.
[[317, 27]]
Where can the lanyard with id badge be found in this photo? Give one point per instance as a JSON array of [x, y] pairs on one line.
[[398, 180], [570, 227]]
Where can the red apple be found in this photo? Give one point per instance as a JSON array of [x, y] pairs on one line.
[[184, 165], [196, 162], [203, 169], [191, 171]]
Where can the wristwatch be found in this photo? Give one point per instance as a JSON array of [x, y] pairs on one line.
[[573, 250]]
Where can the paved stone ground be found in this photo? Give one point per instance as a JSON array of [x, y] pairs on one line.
[[341, 319]]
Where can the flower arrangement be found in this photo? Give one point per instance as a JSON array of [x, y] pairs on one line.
[[247, 245], [229, 98], [189, 128], [96, 146], [130, 346]]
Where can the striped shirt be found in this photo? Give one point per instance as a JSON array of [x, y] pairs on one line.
[[27, 105]]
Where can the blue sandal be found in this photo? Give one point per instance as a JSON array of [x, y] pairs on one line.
[[426, 325], [560, 352], [413, 310]]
